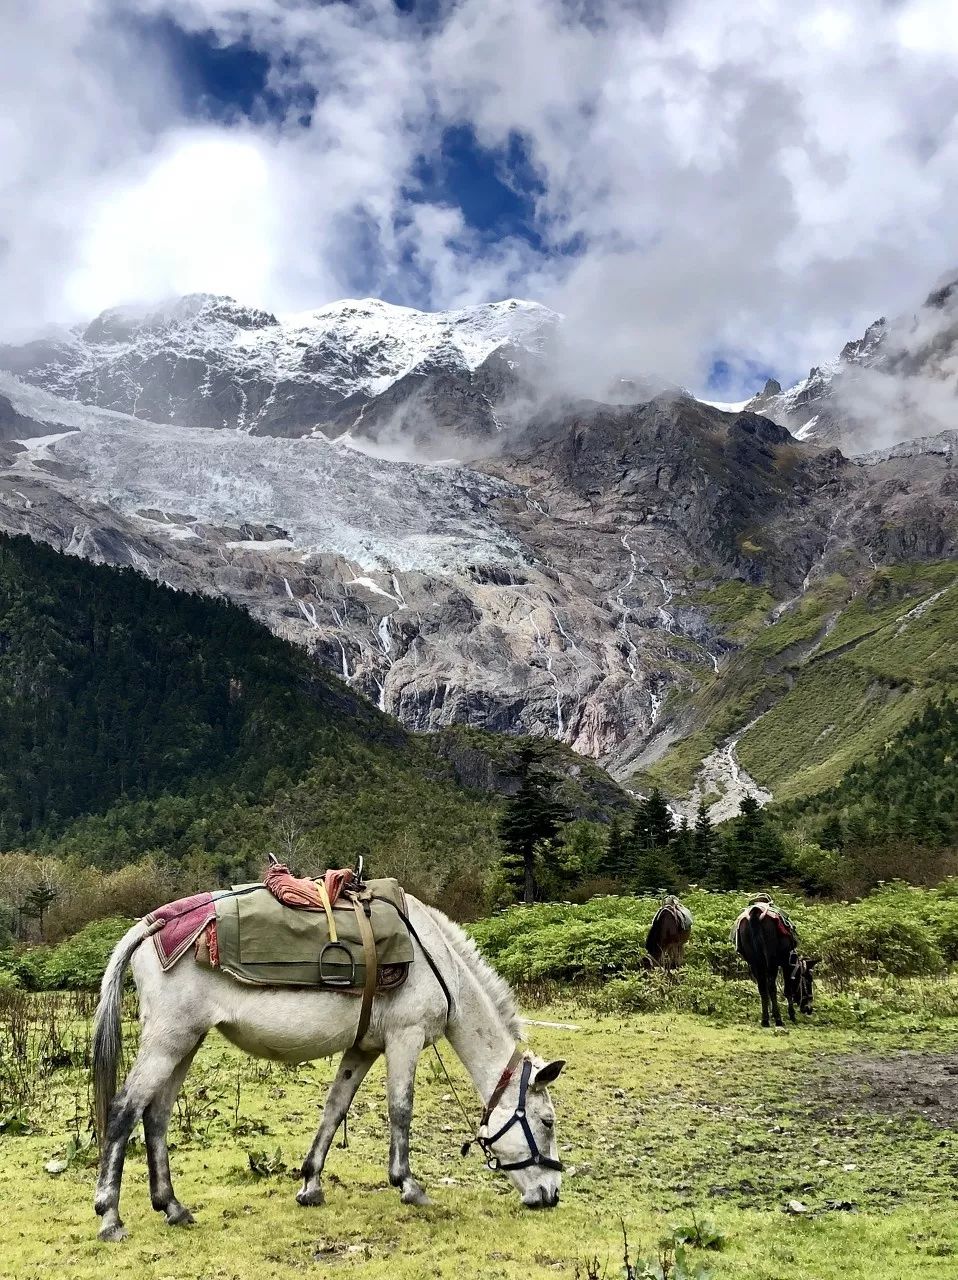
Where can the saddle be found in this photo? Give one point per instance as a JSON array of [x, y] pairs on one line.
[[336, 933], [767, 909]]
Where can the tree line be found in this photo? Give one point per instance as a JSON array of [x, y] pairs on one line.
[[891, 816]]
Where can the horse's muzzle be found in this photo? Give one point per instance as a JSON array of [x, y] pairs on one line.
[[541, 1198]]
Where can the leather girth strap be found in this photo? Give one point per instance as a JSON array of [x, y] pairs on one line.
[[369, 959]]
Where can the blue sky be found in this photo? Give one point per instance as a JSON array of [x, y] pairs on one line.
[[494, 187]]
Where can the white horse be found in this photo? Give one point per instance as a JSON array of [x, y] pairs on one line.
[[476, 1012]]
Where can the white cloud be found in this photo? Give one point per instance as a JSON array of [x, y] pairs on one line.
[[757, 181], [199, 216]]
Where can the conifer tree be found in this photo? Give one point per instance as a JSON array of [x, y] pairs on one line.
[[654, 825], [614, 860], [683, 848], [703, 842], [531, 818]]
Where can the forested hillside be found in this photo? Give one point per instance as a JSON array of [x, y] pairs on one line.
[[138, 722]]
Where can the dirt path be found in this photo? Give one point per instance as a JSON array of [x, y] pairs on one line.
[[917, 1083]]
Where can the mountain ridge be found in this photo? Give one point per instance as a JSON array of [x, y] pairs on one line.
[[559, 581]]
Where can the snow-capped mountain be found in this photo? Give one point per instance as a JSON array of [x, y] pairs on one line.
[[899, 381], [551, 585], [206, 361]]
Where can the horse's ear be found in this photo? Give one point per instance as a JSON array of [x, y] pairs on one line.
[[545, 1075]]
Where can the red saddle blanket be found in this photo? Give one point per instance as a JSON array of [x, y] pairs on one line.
[[180, 924], [294, 891]]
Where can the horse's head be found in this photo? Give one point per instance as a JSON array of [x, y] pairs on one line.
[[518, 1133], [801, 970]]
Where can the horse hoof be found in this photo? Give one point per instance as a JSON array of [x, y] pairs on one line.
[[310, 1198], [415, 1195], [114, 1234], [179, 1217]]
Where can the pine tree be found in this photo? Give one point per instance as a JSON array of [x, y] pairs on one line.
[[753, 853], [833, 834], [531, 818], [654, 871], [653, 825], [703, 843], [616, 861], [683, 848], [35, 905]]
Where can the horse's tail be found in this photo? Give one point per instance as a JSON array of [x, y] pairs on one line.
[[753, 922], [107, 1027], [653, 939]]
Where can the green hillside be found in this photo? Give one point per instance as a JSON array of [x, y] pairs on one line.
[[906, 793], [135, 719], [830, 682], [141, 722]]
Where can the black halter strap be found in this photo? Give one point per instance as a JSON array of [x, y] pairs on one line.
[[486, 1141]]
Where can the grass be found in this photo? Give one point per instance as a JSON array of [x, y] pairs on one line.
[[659, 1115], [836, 675], [837, 714], [674, 1105]]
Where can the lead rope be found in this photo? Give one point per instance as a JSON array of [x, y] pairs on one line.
[[465, 1113]]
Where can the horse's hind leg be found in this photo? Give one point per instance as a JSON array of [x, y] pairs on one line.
[[762, 983], [156, 1121], [773, 996], [154, 1065], [402, 1055], [354, 1065]]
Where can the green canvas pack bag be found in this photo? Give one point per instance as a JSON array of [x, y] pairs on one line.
[[261, 941]]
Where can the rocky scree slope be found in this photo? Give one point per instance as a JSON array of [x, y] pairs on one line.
[[550, 590], [558, 585]]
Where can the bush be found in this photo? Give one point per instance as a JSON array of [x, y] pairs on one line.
[[898, 930], [74, 965]]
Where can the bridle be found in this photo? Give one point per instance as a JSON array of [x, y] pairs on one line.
[[486, 1140]]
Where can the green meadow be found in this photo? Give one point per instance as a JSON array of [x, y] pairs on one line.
[[826, 1149]]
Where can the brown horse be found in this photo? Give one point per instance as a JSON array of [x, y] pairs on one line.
[[767, 940], [670, 930]]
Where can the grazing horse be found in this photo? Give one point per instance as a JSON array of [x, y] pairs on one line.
[[766, 939], [451, 992], [670, 930]]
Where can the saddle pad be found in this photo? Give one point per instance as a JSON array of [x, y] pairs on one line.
[[259, 940], [769, 910], [672, 906], [180, 924]]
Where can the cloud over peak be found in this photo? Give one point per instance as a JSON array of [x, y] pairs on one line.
[[698, 186]]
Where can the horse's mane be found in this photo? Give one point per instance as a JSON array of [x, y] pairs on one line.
[[495, 987]]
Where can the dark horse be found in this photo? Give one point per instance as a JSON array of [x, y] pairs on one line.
[[766, 939], [670, 931]]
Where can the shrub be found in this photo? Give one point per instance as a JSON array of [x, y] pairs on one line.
[[898, 930], [74, 965]]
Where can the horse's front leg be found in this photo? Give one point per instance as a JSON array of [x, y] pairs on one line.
[[789, 995], [353, 1067], [402, 1055]]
